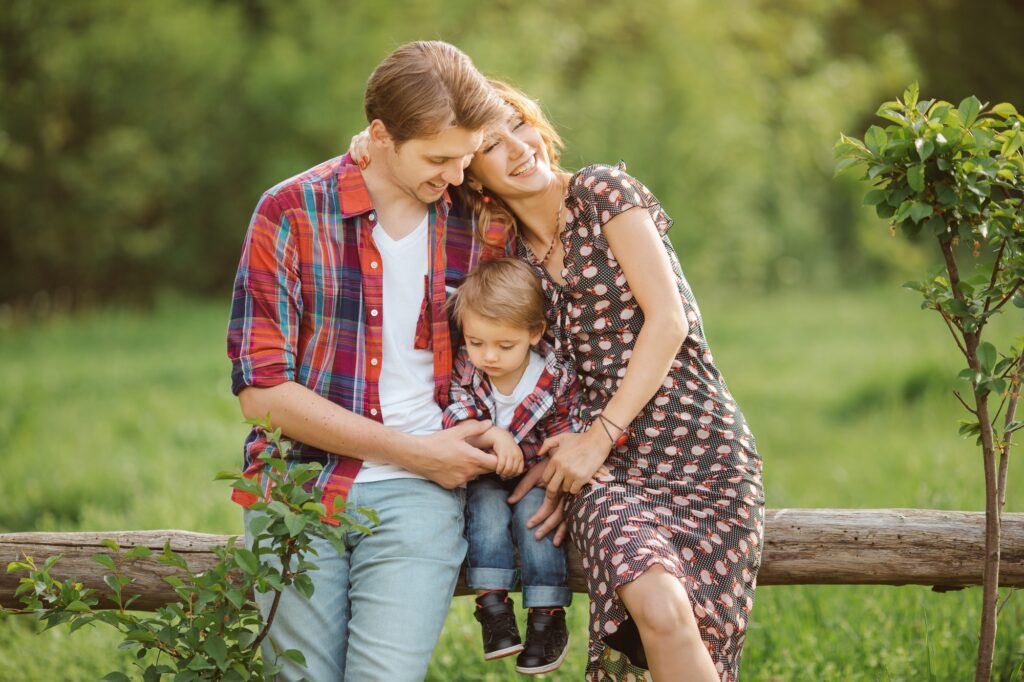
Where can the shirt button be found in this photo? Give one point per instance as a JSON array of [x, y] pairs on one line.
[[373, 361], [372, 216], [373, 265], [374, 312], [373, 411]]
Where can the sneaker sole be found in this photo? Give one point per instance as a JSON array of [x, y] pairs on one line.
[[540, 670], [502, 653]]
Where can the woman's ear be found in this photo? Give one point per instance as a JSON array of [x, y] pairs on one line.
[[474, 184]]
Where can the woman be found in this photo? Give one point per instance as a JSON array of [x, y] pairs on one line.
[[671, 539]]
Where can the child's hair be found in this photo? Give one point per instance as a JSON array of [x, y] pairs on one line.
[[502, 290]]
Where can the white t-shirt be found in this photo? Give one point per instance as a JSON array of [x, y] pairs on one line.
[[505, 405], [406, 374]]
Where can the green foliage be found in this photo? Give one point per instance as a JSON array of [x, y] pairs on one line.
[[962, 169], [135, 138], [956, 174], [214, 630]]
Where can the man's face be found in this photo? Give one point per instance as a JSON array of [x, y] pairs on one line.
[[424, 167]]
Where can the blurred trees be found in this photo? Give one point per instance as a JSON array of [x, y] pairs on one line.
[[135, 138]]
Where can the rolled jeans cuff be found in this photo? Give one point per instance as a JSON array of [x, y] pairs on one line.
[[491, 578], [535, 596]]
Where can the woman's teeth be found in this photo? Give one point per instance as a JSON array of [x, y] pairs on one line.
[[526, 167]]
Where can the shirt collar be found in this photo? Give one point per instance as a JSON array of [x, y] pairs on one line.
[[354, 198]]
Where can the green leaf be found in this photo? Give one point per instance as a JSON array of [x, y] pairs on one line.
[[915, 177], [78, 607], [111, 545], [920, 210], [936, 225], [875, 139], [875, 197], [924, 147], [969, 109], [295, 523], [1013, 426], [247, 561], [105, 561], [987, 356], [1018, 299], [227, 476], [138, 552], [945, 194], [216, 647], [1004, 109], [295, 655], [116, 677], [259, 524], [910, 95]]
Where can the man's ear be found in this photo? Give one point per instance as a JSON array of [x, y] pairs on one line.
[[379, 135]]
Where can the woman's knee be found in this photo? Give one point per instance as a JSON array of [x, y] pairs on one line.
[[659, 604]]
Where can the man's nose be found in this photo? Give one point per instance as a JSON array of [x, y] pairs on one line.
[[454, 173]]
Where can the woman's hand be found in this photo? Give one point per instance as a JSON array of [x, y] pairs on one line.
[[575, 459], [550, 515], [359, 147]]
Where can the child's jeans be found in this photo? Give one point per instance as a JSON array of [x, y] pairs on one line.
[[492, 525]]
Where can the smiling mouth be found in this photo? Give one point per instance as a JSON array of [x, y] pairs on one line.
[[526, 167], [438, 187]]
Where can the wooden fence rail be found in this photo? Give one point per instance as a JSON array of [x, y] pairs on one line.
[[943, 549]]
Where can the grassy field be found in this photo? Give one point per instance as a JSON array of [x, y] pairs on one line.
[[118, 420]]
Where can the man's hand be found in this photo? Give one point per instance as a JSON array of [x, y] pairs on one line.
[[508, 452], [446, 458]]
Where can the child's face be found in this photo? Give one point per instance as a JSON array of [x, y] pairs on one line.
[[496, 349]]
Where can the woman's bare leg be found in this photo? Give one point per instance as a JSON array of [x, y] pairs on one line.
[[659, 605]]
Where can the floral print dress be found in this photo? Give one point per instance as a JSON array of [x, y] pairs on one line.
[[685, 489]]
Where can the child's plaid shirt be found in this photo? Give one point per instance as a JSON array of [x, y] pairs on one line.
[[550, 409]]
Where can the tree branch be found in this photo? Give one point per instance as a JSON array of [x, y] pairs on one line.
[[995, 273]]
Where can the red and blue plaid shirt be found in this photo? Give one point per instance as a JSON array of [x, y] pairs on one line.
[[550, 409], [308, 301]]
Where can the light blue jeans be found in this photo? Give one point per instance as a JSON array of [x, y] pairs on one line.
[[376, 612]]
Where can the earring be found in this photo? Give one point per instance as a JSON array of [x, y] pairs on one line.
[[483, 197]]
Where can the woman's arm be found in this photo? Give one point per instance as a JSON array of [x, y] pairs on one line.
[[634, 240]]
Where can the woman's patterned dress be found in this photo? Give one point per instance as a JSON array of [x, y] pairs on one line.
[[687, 488]]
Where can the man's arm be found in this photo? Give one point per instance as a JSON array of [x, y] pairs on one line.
[[444, 457]]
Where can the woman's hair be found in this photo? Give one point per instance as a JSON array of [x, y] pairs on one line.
[[494, 210], [426, 86], [501, 290]]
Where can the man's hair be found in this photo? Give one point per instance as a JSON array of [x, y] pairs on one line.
[[426, 86], [504, 291]]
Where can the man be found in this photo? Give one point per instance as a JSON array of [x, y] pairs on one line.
[[339, 331]]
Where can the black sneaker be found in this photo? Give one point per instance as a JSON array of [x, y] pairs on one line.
[[497, 618], [547, 642]]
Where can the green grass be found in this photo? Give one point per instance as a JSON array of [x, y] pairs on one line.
[[118, 420]]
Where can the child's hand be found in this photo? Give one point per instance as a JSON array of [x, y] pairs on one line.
[[510, 455]]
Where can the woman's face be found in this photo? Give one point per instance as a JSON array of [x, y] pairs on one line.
[[513, 162]]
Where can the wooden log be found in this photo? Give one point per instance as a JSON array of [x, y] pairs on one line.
[[802, 547]]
